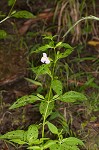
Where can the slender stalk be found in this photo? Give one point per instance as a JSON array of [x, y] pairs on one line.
[[48, 102], [44, 121], [9, 14], [5, 19], [83, 18]]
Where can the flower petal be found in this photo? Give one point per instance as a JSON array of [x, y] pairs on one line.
[[47, 61], [43, 59], [44, 55]]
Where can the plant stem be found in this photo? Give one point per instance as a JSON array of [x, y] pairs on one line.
[[9, 14], [83, 18], [45, 115], [5, 19], [48, 102], [44, 121]]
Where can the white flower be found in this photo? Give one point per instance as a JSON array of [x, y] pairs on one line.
[[45, 59]]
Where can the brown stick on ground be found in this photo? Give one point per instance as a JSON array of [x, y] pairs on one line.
[[28, 23]]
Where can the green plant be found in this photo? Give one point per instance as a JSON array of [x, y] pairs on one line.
[[35, 137]]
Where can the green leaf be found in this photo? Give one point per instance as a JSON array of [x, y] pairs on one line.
[[18, 141], [11, 2], [52, 128], [55, 147], [72, 96], [34, 148], [49, 143], [40, 96], [58, 44], [73, 141], [42, 48], [34, 142], [70, 143], [46, 108], [23, 14], [54, 115], [51, 44], [49, 37], [43, 69], [27, 99], [25, 136], [57, 86], [65, 45], [3, 34], [17, 134], [64, 54], [39, 141], [59, 146], [44, 139], [55, 97], [32, 134], [63, 146], [34, 82]]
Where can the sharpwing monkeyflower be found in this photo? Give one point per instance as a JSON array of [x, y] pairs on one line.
[[45, 59]]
